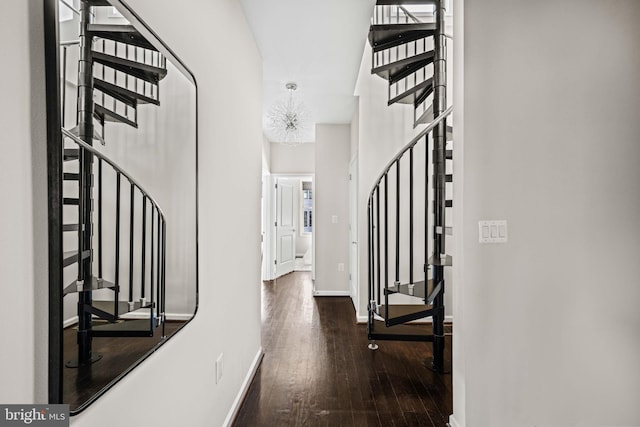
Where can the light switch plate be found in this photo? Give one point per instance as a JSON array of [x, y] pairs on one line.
[[493, 231]]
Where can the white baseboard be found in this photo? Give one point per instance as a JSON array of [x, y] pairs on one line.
[[70, 322], [331, 294], [448, 319], [235, 407], [453, 422]]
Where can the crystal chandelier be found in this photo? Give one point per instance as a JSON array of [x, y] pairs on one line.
[[288, 120]]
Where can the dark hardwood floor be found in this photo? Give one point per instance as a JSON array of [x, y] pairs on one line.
[[318, 371], [118, 354]]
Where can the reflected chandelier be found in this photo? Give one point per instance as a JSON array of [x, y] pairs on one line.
[[288, 119]]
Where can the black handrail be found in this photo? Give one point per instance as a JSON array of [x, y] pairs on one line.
[[409, 145]]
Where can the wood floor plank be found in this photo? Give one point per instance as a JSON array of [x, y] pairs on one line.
[[318, 371]]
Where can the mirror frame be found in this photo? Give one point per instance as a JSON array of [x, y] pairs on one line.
[[54, 143]]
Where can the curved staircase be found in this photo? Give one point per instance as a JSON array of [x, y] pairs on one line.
[[120, 293], [407, 206]]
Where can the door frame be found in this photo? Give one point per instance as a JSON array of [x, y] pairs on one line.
[[354, 277], [269, 195]]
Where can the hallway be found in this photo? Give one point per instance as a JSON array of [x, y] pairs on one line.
[[318, 371]]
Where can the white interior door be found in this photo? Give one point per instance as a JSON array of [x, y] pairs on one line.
[[353, 230], [286, 211]]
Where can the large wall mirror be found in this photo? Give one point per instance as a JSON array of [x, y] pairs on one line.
[[122, 195]]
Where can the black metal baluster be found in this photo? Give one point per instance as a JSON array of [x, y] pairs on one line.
[[411, 215], [81, 207], [117, 256], [99, 217], [369, 265], [158, 263], [131, 229], [378, 238], [426, 210], [386, 243], [151, 284], [64, 82], [135, 79], [144, 245], [164, 274], [104, 50], [397, 281], [397, 22]]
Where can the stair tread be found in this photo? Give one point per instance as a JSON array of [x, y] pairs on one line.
[[70, 227], [99, 3], [379, 330], [71, 154], [419, 290], [409, 96], [425, 117], [396, 70], [385, 36], [447, 262], [120, 33], [397, 310], [69, 176], [96, 136], [119, 91], [447, 230], [123, 306], [111, 116], [70, 201], [143, 71], [124, 328], [401, 2], [93, 285], [69, 257]]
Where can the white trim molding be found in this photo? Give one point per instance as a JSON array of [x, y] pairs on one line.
[[70, 322], [331, 294], [453, 422], [244, 388]]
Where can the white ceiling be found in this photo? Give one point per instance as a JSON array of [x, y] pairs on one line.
[[317, 44]]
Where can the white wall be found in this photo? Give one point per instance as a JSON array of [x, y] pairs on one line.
[[293, 159], [230, 139], [23, 247], [332, 199], [550, 143]]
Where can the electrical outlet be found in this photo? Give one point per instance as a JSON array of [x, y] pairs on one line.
[[341, 266], [219, 367]]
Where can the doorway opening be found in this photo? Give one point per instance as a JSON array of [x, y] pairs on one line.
[[288, 224]]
